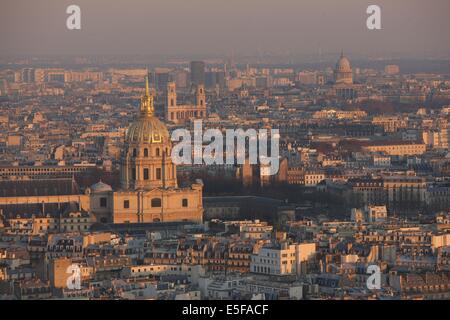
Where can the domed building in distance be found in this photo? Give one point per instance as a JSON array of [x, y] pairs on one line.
[[149, 191], [344, 87], [343, 73]]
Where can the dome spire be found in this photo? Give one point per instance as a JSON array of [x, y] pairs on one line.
[[147, 107], [147, 91]]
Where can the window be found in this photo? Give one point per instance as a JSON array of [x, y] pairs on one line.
[[103, 202], [145, 174], [126, 204], [145, 152], [156, 202], [133, 174], [158, 173], [134, 152], [184, 202], [157, 152]]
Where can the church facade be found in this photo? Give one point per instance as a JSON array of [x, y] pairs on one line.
[[182, 113]]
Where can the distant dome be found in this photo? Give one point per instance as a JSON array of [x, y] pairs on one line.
[[343, 73], [147, 130], [343, 65], [100, 187]]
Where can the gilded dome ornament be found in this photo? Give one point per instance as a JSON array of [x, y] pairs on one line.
[[147, 128]]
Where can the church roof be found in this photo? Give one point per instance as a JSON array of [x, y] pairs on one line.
[[40, 187], [100, 187]]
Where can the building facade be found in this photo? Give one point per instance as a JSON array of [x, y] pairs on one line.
[[183, 113]]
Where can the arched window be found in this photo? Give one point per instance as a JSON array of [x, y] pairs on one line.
[[145, 152], [156, 202]]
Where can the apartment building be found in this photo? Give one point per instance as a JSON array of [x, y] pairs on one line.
[[282, 258]]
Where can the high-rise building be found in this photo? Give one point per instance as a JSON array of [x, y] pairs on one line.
[[197, 72], [215, 79], [161, 79]]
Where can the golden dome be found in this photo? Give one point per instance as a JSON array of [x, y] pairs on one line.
[[147, 128]]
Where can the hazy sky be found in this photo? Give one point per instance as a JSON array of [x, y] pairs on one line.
[[416, 27]]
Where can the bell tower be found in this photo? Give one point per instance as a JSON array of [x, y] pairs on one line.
[[200, 96], [200, 101], [171, 101]]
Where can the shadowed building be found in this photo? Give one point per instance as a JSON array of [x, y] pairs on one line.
[[197, 73]]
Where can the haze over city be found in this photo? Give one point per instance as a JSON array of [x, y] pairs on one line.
[[410, 28]]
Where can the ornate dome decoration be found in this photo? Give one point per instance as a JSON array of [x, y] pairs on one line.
[[147, 128]]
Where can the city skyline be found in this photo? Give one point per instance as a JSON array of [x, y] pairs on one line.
[[241, 151]]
